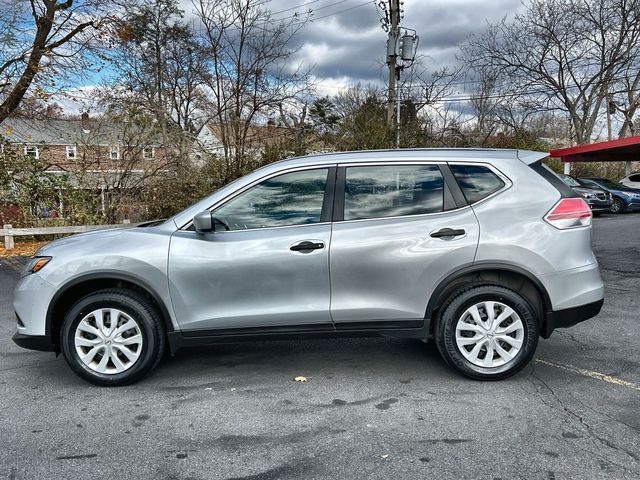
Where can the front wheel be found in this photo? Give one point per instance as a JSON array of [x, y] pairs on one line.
[[112, 337], [617, 206], [487, 332]]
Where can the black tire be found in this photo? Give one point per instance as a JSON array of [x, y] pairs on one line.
[[454, 308], [139, 308], [617, 206]]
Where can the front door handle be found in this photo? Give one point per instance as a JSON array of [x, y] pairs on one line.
[[306, 247], [448, 232]]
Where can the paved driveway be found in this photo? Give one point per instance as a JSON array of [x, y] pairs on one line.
[[372, 408]]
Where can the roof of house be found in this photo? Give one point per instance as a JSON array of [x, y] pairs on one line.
[[256, 134], [49, 131]]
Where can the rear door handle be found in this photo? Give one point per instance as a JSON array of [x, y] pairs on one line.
[[448, 232], [306, 247]]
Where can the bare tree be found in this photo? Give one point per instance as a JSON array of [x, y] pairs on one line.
[[160, 64], [42, 39], [562, 54], [251, 72], [625, 99]]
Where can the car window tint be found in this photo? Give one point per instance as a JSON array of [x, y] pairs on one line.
[[476, 181], [392, 191], [634, 178], [290, 199]]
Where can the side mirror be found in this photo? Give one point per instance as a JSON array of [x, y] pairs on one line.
[[203, 222]]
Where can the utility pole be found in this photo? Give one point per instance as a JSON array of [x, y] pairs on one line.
[[401, 53], [392, 56]]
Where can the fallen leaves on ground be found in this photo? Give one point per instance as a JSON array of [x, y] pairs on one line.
[[300, 378], [26, 249]]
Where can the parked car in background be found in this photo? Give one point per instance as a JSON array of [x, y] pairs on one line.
[[632, 180], [482, 251], [599, 200], [624, 197]]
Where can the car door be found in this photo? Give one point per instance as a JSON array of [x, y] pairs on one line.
[[269, 269], [634, 180], [398, 231]]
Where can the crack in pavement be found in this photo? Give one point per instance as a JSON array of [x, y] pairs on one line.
[[593, 435]]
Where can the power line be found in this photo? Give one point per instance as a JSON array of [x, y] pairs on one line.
[[293, 8], [368, 2], [539, 91]]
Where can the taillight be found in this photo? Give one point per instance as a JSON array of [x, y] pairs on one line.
[[569, 213]]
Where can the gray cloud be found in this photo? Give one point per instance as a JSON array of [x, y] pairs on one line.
[[351, 43]]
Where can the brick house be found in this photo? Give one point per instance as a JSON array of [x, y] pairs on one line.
[[69, 145], [95, 154]]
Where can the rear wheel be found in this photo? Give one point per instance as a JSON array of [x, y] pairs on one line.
[[112, 337], [617, 206], [487, 332]]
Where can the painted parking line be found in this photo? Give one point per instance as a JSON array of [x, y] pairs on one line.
[[591, 374]]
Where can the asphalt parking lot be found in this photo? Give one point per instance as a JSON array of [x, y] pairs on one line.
[[371, 408]]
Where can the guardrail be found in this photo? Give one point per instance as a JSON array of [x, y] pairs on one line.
[[9, 232]]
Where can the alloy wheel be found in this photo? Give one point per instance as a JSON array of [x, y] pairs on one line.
[[616, 206]]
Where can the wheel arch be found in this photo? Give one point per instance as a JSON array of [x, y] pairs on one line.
[[84, 285], [504, 275]]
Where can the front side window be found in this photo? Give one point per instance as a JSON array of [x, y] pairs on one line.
[[634, 178], [32, 151], [392, 191], [477, 181], [294, 198], [71, 152]]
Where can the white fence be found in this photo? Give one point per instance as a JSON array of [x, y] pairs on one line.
[[9, 233]]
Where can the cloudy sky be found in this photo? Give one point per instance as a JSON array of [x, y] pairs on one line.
[[346, 44]]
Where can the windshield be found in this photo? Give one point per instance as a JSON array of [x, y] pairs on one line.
[[572, 182], [613, 185]]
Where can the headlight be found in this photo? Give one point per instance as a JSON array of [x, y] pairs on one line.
[[588, 195], [35, 264]]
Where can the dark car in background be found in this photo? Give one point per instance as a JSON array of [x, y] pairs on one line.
[[624, 198], [599, 200]]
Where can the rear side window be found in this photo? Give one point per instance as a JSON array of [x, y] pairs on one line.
[[392, 191], [634, 178], [553, 178], [476, 182]]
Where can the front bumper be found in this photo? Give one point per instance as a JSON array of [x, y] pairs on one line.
[[597, 205], [34, 342], [570, 316], [31, 300]]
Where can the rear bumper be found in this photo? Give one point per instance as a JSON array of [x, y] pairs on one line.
[[33, 342], [570, 316]]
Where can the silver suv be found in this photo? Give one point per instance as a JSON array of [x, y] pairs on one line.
[[483, 251]]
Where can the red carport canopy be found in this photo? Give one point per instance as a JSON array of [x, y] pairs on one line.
[[621, 150]]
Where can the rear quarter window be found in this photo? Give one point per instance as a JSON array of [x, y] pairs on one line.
[[476, 181]]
